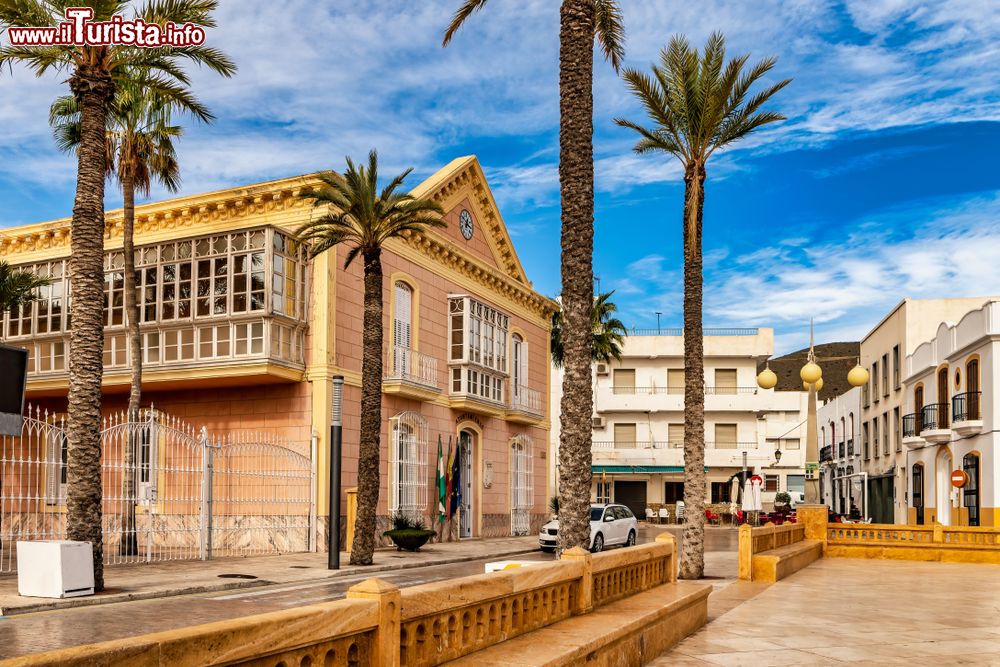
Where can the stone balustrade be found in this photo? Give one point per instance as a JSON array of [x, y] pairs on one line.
[[962, 544], [380, 624]]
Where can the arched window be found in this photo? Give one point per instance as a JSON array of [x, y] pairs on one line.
[[521, 486], [518, 362], [408, 465]]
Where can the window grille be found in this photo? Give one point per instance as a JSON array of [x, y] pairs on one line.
[[521, 487], [408, 465]]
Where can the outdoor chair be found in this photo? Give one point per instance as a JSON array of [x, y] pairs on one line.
[[664, 515], [650, 515]]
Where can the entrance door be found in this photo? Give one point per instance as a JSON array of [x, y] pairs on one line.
[[632, 495], [970, 492], [465, 467], [917, 481], [942, 484], [672, 492]]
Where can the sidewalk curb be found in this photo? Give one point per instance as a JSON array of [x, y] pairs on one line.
[[100, 599]]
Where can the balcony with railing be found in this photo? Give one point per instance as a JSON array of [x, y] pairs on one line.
[[677, 331], [934, 426], [525, 405], [912, 425], [411, 374], [966, 410], [666, 398], [668, 457], [826, 453]]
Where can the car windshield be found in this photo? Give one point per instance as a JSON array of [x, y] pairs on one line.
[[596, 513]]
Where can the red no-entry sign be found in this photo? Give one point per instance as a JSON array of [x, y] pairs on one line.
[[959, 478]]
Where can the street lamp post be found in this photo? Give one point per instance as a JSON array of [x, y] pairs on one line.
[[333, 532], [812, 379]]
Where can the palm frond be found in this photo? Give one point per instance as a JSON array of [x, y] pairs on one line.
[[359, 215], [468, 8], [609, 29], [18, 287], [698, 104]]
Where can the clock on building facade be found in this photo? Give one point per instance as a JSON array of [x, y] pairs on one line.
[[465, 224]]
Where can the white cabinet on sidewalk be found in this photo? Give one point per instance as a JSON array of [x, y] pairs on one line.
[[55, 569]]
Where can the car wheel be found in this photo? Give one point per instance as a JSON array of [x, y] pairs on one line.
[[549, 550], [630, 542], [598, 543]]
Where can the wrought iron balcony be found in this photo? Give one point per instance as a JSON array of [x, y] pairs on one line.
[[934, 418], [965, 407], [966, 410], [826, 453], [912, 425]]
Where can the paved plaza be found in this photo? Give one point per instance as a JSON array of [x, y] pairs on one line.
[[841, 610]]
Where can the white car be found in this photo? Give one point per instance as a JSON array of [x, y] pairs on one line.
[[609, 525]]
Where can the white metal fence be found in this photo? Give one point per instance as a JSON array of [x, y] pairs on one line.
[[521, 487], [170, 492]]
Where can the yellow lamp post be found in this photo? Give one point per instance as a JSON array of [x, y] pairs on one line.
[[812, 381]]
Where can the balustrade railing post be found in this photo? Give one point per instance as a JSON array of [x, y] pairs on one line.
[[585, 599], [385, 648], [745, 557]]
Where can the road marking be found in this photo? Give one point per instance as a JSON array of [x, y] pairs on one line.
[[270, 591], [337, 596]]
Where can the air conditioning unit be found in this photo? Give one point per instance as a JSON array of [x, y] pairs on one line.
[[598, 422], [602, 369]]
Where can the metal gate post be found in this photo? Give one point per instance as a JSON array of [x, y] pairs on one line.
[[313, 460], [207, 452]]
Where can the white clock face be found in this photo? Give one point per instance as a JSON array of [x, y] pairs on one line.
[[465, 224]]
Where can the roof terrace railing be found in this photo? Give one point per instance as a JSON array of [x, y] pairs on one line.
[[677, 331]]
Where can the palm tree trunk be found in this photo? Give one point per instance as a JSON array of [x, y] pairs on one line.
[[693, 549], [576, 181], [93, 91], [129, 543], [363, 548]]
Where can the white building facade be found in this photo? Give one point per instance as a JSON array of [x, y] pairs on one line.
[[952, 421], [638, 429], [883, 351], [841, 480]]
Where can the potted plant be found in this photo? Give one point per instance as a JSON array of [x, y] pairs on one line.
[[782, 503], [408, 533], [554, 507]]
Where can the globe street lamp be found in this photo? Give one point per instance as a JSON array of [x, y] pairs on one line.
[[812, 381]]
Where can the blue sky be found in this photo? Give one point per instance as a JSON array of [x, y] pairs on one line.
[[882, 183]]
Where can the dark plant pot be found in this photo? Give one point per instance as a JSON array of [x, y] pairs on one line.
[[408, 539]]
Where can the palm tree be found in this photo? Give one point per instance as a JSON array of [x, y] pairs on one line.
[[17, 288], [697, 106], [580, 22], [140, 149], [609, 332], [95, 74], [358, 215]]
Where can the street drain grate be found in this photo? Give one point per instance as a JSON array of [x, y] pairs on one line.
[[237, 576], [299, 567]]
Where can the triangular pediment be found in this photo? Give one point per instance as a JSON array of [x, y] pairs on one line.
[[461, 186]]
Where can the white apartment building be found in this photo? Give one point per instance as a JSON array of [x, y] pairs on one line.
[[638, 430], [952, 422], [841, 479], [910, 323]]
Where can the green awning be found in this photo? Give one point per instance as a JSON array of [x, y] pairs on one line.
[[638, 470]]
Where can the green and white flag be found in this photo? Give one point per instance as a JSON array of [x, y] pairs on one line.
[[442, 484]]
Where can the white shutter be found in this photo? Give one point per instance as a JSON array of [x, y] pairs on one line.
[[402, 319], [523, 364]]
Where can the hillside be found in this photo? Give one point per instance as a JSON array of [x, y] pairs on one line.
[[834, 372]]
